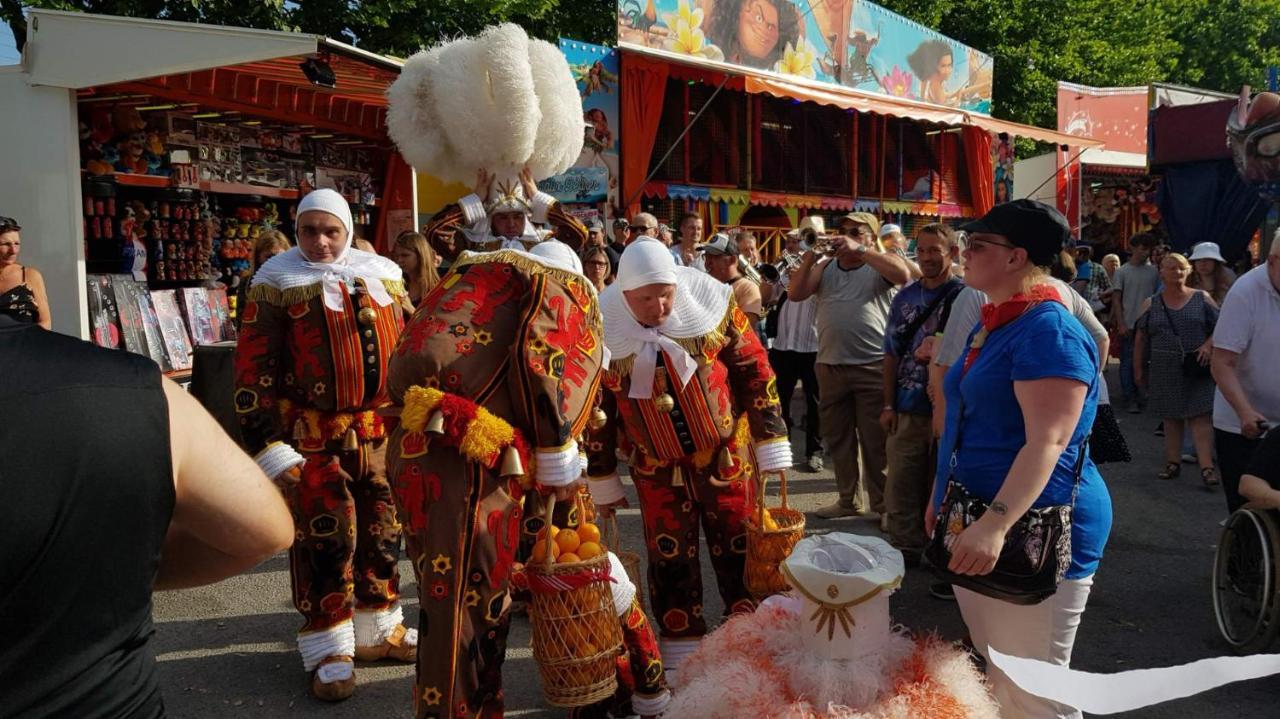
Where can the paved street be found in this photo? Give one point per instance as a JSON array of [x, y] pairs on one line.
[[227, 650]]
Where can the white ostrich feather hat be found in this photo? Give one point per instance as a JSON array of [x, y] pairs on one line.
[[499, 101]]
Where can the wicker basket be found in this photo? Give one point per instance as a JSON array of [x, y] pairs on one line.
[[630, 560], [768, 547], [576, 635]]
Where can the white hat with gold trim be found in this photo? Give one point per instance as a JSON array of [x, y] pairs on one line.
[[844, 581]]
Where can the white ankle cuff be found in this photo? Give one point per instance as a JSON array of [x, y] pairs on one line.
[[338, 640], [650, 706], [373, 626], [675, 651]]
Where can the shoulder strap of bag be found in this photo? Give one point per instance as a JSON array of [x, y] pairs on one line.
[[923, 317], [1077, 473], [1172, 327]]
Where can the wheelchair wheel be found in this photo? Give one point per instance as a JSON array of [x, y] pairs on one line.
[[1246, 598]]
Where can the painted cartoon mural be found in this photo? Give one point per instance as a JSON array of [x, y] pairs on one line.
[[849, 42], [594, 177]]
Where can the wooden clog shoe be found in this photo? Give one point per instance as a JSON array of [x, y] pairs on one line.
[[334, 679], [400, 645]]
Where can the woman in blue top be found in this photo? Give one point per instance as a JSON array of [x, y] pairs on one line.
[[1019, 408]]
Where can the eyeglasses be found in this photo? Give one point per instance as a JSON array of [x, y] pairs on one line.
[[597, 263], [976, 245]]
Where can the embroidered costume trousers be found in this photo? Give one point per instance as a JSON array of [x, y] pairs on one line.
[[462, 531], [674, 514], [347, 537], [639, 670]]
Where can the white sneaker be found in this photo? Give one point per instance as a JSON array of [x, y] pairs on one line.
[[1189, 459], [815, 463]]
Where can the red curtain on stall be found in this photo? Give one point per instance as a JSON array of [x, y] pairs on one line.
[[981, 173], [644, 83]]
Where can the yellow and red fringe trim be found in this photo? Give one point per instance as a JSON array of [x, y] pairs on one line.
[[475, 432], [313, 429]]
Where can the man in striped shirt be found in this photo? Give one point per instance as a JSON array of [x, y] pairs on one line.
[[795, 350]]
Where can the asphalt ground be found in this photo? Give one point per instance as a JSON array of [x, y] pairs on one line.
[[228, 649]]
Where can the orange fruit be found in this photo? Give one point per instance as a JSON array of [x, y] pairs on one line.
[[589, 550], [568, 540], [540, 551], [568, 558], [542, 533], [770, 523], [589, 533]]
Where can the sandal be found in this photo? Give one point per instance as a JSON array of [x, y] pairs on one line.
[[334, 680], [1171, 470], [1209, 476], [400, 645]]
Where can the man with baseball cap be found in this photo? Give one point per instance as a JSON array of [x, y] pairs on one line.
[[316, 338], [721, 260], [854, 289]]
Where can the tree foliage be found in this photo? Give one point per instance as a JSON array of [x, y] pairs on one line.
[[1215, 44]]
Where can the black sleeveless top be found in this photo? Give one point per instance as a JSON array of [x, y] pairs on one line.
[[20, 302], [86, 472]]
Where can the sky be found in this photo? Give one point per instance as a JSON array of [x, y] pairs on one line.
[[8, 50]]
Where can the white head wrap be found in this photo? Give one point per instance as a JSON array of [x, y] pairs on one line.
[[698, 308], [646, 262], [326, 200], [558, 254], [294, 269]]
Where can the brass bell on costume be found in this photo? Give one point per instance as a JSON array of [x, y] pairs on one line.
[[299, 430], [350, 442], [511, 464], [664, 402], [435, 425], [367, 315], [726, 461], [677, 476], [598, 419]]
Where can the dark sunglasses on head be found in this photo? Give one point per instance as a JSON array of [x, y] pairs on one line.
[[8, 224]]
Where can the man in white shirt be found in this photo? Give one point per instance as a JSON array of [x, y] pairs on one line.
[[688, 251], [794, 348], [1246, 343]]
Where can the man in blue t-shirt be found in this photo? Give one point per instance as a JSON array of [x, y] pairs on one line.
[[915, 316]]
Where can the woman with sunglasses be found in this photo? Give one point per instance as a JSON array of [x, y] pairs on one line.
[[1019, 407], [596, 267], [22, 295]]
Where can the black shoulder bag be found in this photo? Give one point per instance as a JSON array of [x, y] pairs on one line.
[[1037, 548], [1191, 367]]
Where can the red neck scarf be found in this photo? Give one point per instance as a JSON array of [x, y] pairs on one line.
[[996, 316]]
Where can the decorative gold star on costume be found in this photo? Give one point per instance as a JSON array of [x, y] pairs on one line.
[[471, 598], [432, 696], [483, 337], [441, 564]]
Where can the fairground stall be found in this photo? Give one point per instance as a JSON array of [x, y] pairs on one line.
[[757, 113], [145, 157]]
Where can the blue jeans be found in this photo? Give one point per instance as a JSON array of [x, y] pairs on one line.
[[1128, 385]]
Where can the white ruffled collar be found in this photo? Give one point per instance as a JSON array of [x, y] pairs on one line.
[[701, 302], [291, 269]]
